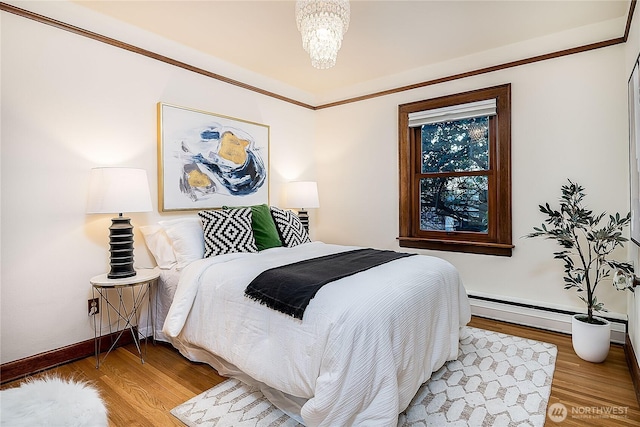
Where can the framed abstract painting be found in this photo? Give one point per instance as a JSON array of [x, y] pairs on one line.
[[634, 151], [207, 161]]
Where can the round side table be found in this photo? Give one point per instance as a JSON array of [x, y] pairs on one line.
[[131, 293]]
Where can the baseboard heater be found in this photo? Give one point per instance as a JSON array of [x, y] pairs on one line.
[[528, 314]]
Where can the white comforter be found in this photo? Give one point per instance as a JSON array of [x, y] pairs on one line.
[[366, 342]]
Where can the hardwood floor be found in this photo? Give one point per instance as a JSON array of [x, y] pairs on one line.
[[142, 394]]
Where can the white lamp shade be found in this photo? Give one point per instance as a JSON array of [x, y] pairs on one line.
[[118, 190], [302, 195]]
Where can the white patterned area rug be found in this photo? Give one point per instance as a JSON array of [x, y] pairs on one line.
[[497, 380]]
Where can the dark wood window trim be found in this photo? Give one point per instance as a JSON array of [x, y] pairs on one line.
[[498, 239]]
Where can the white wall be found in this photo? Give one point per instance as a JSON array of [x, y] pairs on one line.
[[568, 121], [70, 104]]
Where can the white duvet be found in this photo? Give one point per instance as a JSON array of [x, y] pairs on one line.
[[363, 348]]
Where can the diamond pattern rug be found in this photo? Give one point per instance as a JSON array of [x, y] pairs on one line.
[[497, 380]]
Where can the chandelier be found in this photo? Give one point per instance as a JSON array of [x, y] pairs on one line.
[[322, 24]]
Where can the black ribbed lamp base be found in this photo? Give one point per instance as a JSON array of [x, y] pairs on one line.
[[121, 248], [304, 219]]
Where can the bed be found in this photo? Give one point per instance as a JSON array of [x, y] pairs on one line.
[[362, 349]]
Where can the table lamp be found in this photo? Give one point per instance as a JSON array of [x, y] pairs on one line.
[[118, 190], [302, 195]]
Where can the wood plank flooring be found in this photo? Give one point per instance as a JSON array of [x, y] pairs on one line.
[[142, 394]]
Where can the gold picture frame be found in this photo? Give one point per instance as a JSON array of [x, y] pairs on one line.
[[207, 160]]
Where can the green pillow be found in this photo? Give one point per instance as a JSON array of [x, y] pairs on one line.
[[264, 229]]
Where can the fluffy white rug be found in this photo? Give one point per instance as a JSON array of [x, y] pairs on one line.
[[52, 401], [497, 380]]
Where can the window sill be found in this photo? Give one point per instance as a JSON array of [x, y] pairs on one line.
[[485, 248]]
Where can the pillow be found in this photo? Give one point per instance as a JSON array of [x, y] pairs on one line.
[[292, 232], [186, 238], [264, 229], [227, 231], [159, 245]]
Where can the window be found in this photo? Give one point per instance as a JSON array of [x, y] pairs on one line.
[[455, 172]]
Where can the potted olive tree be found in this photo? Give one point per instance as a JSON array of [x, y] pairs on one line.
[[586, 247]]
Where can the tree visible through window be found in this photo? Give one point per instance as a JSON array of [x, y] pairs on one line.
[[455, 203], [455, 173]]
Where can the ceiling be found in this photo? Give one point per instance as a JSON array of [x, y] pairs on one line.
[[384, 37]]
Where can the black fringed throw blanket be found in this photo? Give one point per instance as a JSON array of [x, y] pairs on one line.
[[290, 288]]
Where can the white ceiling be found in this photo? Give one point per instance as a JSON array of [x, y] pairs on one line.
[[384, 37]]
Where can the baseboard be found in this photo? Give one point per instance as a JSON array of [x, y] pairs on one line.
[[556, 319], [632, 363], [30, 365]]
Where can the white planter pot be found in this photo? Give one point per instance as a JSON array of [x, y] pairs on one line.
[[590, 341]]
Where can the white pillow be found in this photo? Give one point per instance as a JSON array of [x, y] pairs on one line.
[[187, 239], [159, 245]]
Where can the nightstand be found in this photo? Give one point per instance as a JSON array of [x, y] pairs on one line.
[[131, 293]]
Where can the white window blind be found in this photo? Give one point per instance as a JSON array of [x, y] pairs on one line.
[[455, 112]]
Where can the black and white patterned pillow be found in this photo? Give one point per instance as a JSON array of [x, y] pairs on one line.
[[227, 231], [292, 232]]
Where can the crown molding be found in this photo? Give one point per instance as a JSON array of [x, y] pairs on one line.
[[144, 52]]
